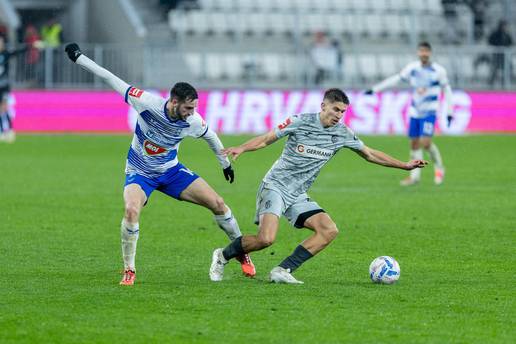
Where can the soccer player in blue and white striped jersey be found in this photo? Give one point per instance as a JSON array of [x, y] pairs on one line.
[[152, 162], [428, 79]]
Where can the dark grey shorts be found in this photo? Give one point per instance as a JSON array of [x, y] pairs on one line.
[[270, 201]]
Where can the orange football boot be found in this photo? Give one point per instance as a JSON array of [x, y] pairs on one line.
[[129, 277], [247, 265]]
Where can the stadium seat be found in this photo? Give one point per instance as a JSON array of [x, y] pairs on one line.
[[198, 23], [304, 5], [286, 5], [218, 22], [282, 23], [336, 24], [483, 71], [382, 6], [360, 5], [271, 66], [467, 69], [445, 61], [214, 68], [368, 67], [256, 23], [194, 64], [358, 24], [265, 5], [408, 25], [373, 25], [232, 66], [209, 4], [350, 69], [313, 22], [325, 6], [417, 6], [435, 6], [387, 65], [178, 22], [290, 66], [227, 4], [339, 6], [398, 5]]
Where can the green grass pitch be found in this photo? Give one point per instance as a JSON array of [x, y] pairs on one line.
[[61, 205]]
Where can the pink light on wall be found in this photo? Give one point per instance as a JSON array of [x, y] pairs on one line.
[[236, 112]]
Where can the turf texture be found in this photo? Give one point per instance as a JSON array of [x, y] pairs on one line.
[[60, 260]]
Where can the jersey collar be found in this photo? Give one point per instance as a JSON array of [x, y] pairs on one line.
[[179, 120]]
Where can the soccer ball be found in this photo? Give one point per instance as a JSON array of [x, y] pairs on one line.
[[385, 270]]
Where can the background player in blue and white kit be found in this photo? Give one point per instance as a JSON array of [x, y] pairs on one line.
[[428, 79], [152, 162], [313, 139]]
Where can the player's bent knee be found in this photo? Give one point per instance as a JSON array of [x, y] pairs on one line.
[[329, 232], [219, 204], [132, 212], [265, 241]]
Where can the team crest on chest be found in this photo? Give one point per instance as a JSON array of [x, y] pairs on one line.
[[153, 149]]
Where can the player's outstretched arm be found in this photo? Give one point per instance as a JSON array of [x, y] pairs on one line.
[[381, 158], [216, 146], [75, 54], [253, 144], [387, 83]]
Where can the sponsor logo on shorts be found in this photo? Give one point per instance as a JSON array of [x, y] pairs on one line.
[[314, 152], [135, 92], [153, 149]]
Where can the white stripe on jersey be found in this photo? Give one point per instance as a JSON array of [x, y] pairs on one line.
[[427, 82], [157, 137]]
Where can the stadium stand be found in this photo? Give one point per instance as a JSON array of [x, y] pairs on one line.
[[270, 43], [280, 27]]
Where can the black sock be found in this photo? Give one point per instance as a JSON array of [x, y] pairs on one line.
[[1, 122], [234, 249], [8, 119], [298, 257]]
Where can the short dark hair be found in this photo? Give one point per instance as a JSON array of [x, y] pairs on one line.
[[424, 44], [183, 91], [336, 95]]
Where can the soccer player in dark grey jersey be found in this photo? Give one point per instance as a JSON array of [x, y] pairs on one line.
[[313, 139]]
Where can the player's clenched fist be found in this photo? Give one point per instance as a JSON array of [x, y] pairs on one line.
[[73, 51], [229, 174]]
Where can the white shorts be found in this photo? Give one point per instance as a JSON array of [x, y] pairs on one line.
[[270, 201]]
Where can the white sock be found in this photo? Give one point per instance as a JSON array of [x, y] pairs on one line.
[[416, 154], [229, 225], [435, 156], [129, 234]]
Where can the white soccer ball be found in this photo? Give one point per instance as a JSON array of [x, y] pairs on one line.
[[385, 270]]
